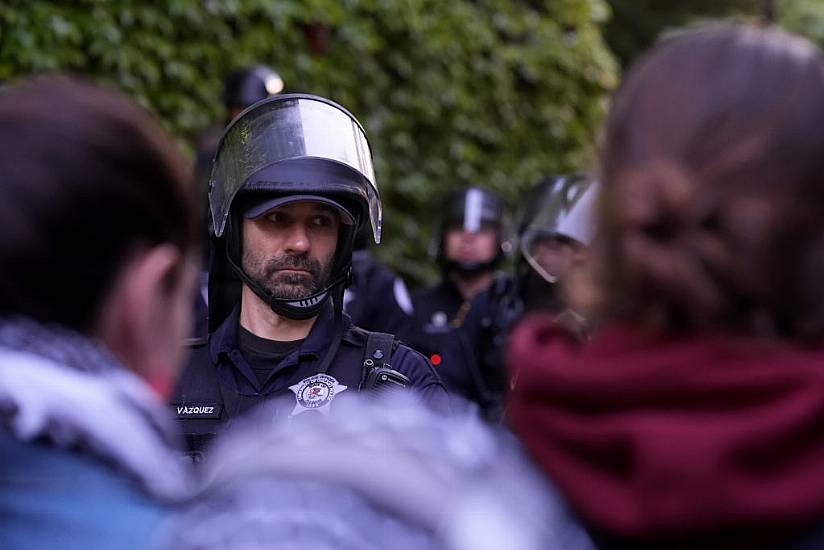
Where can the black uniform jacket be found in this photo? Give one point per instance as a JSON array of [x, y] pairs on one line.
[[436, 309], [218, 385], [375, 296]]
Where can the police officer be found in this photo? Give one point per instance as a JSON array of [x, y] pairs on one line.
[[291, 184], [556, 224], [469, 245]]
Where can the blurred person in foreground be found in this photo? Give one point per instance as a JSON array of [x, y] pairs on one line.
[[98, 263], [291, 185], [368, 480], [554, 228], [469, 246], [693, 419]]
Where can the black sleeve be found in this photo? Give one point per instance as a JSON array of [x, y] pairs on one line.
[[422, 376]]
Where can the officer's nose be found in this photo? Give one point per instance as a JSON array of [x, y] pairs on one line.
[[468, 237], [298, 238]]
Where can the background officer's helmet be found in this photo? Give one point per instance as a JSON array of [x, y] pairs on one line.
[[248, 85], [471, 209], [557, 210]]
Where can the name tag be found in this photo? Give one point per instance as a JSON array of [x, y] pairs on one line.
[[198, 411]]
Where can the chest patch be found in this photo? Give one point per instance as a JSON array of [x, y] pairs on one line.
[[198, 410], [315, 393], [438, 324]]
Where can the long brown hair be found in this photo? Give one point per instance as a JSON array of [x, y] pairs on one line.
[[713, 169]]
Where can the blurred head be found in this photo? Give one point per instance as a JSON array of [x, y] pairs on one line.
[[556, 224], [713, 205], [99, 220], [470, 237], [248, 85], [471, 247]]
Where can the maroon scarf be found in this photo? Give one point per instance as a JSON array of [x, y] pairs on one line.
[[703, 439]]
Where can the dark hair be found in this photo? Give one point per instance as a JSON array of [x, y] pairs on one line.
[[713, 169], [87, 176]]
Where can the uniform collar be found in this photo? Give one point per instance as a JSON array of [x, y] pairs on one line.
[[225, 338]]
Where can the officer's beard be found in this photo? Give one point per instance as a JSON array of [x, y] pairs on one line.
[[290, 285]]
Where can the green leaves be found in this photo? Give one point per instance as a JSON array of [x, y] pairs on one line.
[[803, 16], [489, 92]]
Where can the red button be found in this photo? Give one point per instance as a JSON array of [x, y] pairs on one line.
[[435, 359]]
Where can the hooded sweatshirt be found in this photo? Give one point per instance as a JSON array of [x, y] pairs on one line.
[[709, 440]]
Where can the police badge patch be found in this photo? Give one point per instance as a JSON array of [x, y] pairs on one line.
[[315, 393]]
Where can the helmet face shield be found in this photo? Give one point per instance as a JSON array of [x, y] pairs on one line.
[[561, 221], [473, 209], [290, 128], [473, 215]]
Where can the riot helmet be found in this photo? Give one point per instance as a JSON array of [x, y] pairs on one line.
[[558, 213], [248, 85], [471, 209], [291, 148]]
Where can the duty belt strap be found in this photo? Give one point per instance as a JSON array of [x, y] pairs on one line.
[[378, 350]]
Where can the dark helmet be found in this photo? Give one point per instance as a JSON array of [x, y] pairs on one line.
[[248, 85], [289, 148], [471, 209], [560, 208]]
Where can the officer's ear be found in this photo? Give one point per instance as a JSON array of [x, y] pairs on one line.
[[147, 313]]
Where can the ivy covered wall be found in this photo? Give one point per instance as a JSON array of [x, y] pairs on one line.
[[451, 92]]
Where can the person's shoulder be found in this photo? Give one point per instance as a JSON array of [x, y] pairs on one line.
[[104, 508], [415, 366], [486, 302], [406, 353], [501, 286], [200, 356], [402, 356], [369, 272], [427, 300]]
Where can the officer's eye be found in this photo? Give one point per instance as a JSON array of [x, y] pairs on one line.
[[276, 217], [322, 220]]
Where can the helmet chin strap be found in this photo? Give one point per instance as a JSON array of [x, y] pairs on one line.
[[308, 307]]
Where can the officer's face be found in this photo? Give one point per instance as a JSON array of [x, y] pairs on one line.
[[290, 249], [471, 246], [554, 255]]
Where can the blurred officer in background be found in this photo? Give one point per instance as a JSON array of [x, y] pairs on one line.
[[241, 88], [377, 299], [469, 244], [555, 225], [291, 185]]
